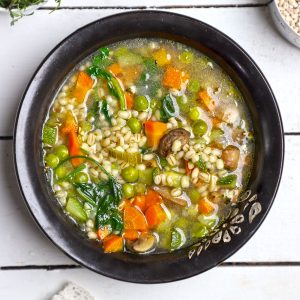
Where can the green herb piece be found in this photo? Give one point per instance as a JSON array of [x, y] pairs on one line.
[[228, 181], [74, 172], [49, 135], [75, 209], [201, 165]]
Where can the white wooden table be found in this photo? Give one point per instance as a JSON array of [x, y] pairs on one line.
[[267, 267]]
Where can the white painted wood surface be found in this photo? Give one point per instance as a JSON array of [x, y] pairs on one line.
[[22, 48], [247, 283]]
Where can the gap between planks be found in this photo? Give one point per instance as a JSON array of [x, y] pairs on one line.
[[159, 7], [224, 264]]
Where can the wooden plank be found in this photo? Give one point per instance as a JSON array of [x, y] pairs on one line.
[[26, 50], [219, 283], [272, 242], [150, 3]]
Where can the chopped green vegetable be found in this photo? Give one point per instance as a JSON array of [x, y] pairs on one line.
[[228, 181], [81, 177], [198, 230], [74, 172], [101, 58], [194, 114], [215, 133], [75, 209], [49, 135], [132, 158], [129, 58], [194, 195], [146, 176], [177, 238]]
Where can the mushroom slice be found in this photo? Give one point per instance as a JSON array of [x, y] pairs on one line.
[[166, 142], [182, 200], [145, 243], [231, 156]]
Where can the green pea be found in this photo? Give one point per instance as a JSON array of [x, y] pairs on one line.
[[61, 172], [194, 114], [134, 125], [61, 151], [51, 160], [182, 102], [193, 86], [186, 57], [81, 177], [199, 128], [128, 190], [140, 189], [130, 174], [141, 103]]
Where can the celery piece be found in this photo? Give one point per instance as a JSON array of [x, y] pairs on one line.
[[49, 135], [75, 209]]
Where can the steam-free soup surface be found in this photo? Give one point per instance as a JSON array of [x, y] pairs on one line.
[[146, 146]]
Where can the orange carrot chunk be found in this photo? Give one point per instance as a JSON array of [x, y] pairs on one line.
[[205, 206], [173, 78], [152, 198], [115, 69], [131, 234], [140, 202], [154, 132], [83, 84], [155, 215], [113, 243], [129, 100], [134, 219], [70, 129], [102, 233], [206, 100]]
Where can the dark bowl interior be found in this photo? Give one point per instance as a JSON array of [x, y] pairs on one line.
[[264, 181]]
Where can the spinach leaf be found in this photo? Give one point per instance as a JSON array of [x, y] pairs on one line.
[[105, 111], [228, 181], [169, 108], [101, 58]]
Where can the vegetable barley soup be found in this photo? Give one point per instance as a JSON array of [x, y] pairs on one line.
[[146, 146]]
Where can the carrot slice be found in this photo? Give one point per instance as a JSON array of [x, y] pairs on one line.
[[103, 232], [134, 219], [155, 215], [115, 69], [129, 100], [113, 243], [131, 234], [187, 170], [140, 202], [152, 198], [83, 84], [205, 206], [206, 100], [173, 78], [70, 129], [154, 132]]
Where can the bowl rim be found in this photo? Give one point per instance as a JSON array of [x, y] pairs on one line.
[[17, 150]]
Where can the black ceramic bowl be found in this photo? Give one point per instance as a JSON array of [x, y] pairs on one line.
[[253, 205]]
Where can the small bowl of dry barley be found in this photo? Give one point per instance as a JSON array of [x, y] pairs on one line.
[[286, 17]]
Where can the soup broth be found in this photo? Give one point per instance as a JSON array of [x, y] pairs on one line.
[[147, 144]]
